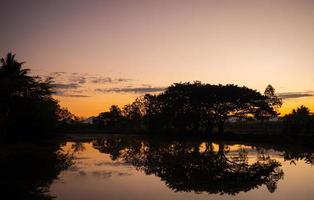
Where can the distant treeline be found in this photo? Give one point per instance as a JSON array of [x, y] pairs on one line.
[[27, 108]]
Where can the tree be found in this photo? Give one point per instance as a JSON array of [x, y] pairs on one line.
[[234, 101], [273, 101], [26, 105], [196, 106], [134, 113], [299, 120], [272, 98], [181, 106], [65, 116], [109, 119]]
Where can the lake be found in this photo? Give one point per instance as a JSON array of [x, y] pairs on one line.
[[137, 167]]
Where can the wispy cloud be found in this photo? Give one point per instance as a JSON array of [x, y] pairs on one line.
[[54, 74], [76, 84], [74, 93], [293, 95], [64, 86], [131, 90], [78, 79], [68, 85], [82, 78], [102, 80]]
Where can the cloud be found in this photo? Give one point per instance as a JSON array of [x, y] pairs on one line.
[[65, 86], [75, 84], [102, 80], [78, 79], [72, 95], [82, 78], [293, 95], [131, 90], [123, 79], [56, 74]]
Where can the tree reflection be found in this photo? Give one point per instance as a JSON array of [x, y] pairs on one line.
[[195, 166], [28, 170], [293, 154], [307, 157]]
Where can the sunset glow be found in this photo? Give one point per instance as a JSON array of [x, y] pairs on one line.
[[111, 52]]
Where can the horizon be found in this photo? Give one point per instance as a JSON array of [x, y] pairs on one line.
[[109, 53]]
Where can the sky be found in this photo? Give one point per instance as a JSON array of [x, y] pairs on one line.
[[110, 52]]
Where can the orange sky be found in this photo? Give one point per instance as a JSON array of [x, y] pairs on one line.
[[112, 51]]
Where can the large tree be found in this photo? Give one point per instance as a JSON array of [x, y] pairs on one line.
[[26, 105], [196, 106], [234, 101]]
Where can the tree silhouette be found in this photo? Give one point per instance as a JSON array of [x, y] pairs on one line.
[[272, 98], [110, 119], [134, 114], [235, 101], [299, 121], [197, 107], [26, 105], [273, 101]]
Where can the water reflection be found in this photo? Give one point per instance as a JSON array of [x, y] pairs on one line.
[[123, 167], [27, 170], [294, 156], [185, 166]]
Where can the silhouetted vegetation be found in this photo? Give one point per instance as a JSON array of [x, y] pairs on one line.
[[27, 109], [191, 108], [273, 101], [197, 108], [299, 121]]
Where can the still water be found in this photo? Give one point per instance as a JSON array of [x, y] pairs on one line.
[[133, 167], [120, 167]]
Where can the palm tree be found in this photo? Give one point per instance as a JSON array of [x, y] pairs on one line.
[[12, 80], [16, 86]]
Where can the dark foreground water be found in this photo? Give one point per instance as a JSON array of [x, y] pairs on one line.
[[132, 167]]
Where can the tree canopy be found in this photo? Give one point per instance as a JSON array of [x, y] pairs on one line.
[[299, 121], [198, 107], [27, 108]]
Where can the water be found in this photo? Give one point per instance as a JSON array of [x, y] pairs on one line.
[[131, 167]]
